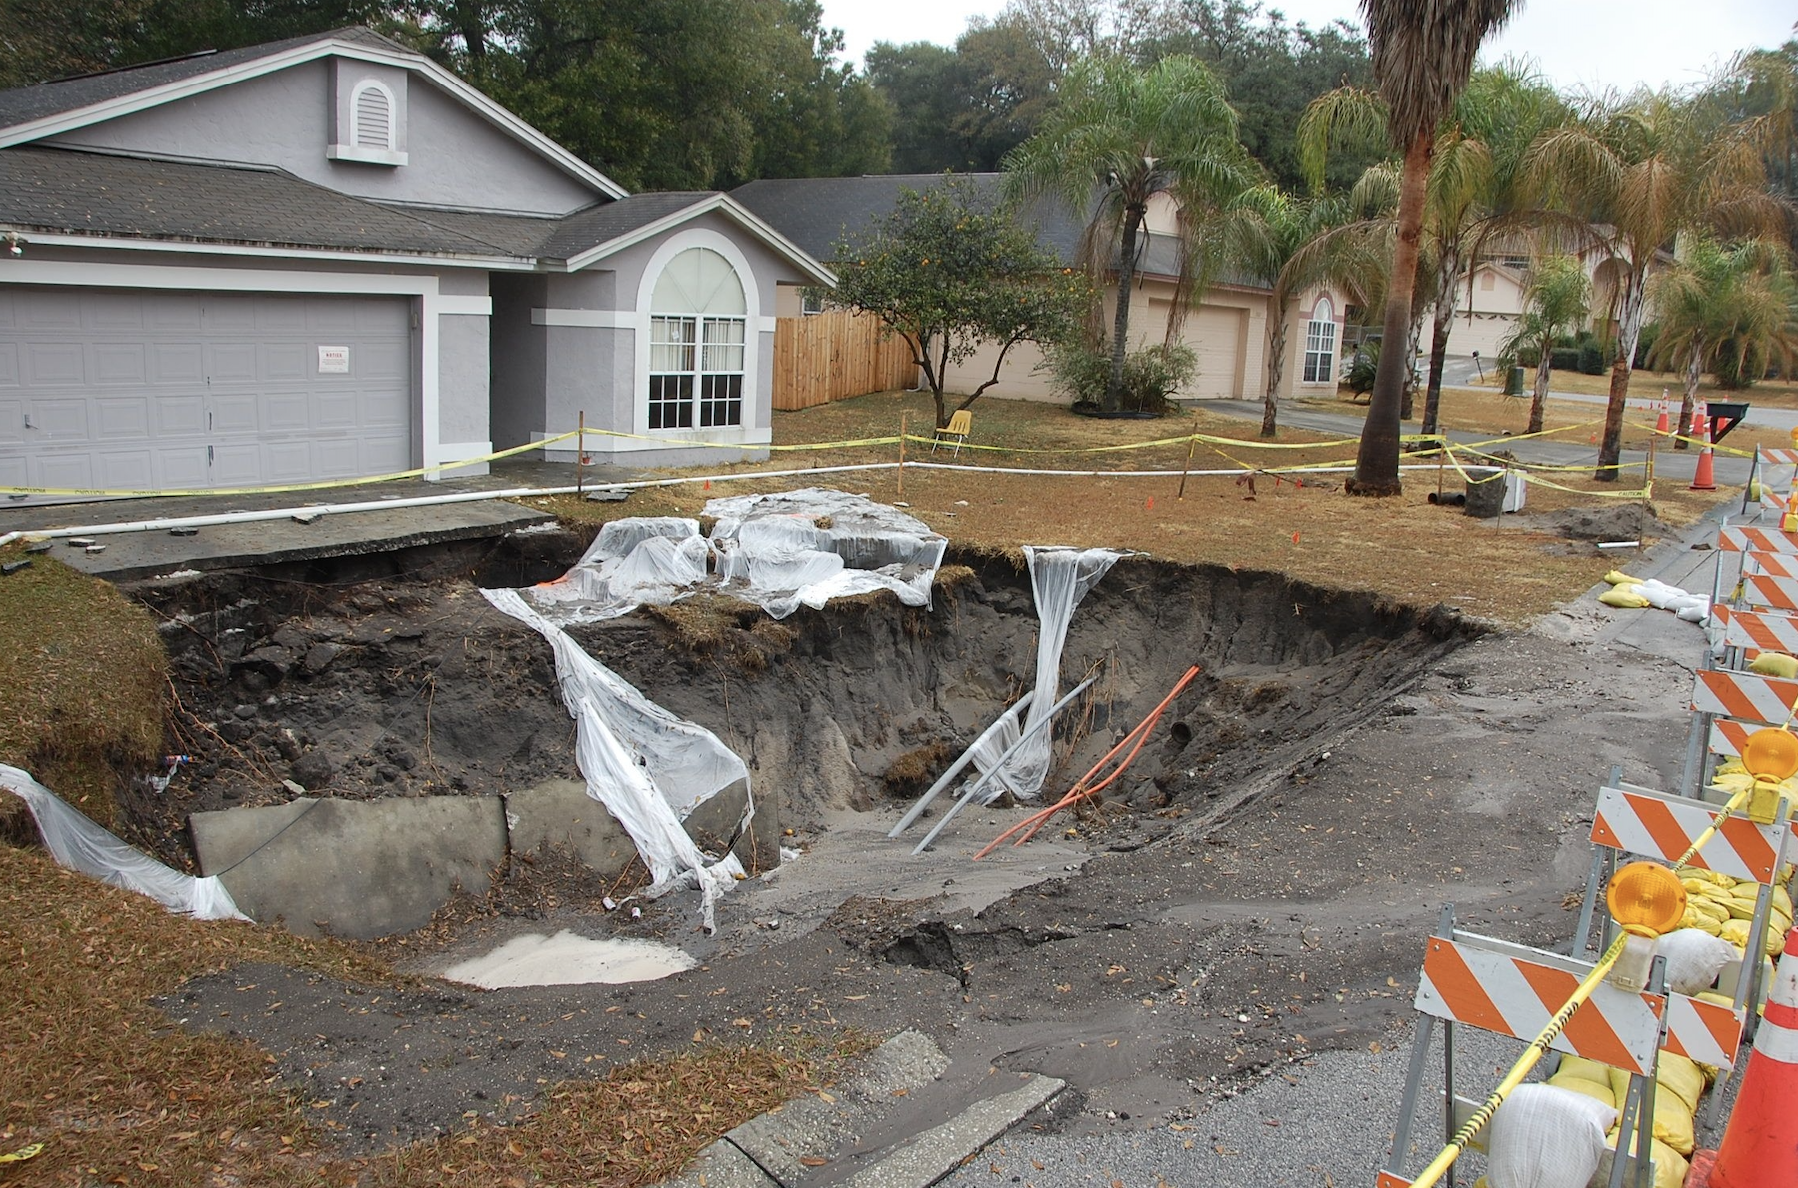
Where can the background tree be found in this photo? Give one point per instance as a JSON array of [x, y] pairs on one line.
[[1718, 298], [1636, 172], [1289, 243], [1555, 301], [1117, 138], [1422, 54], [949, 272]]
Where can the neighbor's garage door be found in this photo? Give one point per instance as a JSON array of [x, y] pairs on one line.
[[155, 390], [1215, 334]]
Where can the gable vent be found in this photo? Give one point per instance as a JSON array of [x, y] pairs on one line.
[[371, 117]]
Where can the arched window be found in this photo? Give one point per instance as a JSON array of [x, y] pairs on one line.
[[372, 116], [697, 326], [1320, 343]]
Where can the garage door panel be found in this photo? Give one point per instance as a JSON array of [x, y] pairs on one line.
[[50, 309], [286, 412], [177, 363], [149, 389], [112, 311], [120, 363], [53, 364], [336, 410], [289, 461], [181, 469], [62, 421], [180, 416], [122, 418]]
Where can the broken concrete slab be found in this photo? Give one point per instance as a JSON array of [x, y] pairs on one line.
[[132, 555], [773, 1148], [927, 1157], [354, 868], [560, 813]]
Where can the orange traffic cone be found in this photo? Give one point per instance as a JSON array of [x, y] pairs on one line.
[[1704, 480], [1698, 423], [1760, 1146], [1660, 422]]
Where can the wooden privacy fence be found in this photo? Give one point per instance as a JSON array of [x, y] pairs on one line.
[[835, 355]]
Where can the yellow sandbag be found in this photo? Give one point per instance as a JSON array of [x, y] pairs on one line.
[[1618, 578], [1585, 1070], [1673, 1123], [1731, 766], [1624, 596], [1718, 997], [1680, 1076], [1670, 1167], [1735, 932], [1775, 664], [1598, 1091]]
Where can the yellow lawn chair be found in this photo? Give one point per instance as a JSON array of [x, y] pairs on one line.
[[961, 423]]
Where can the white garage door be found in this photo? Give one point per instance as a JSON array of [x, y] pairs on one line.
[[1215, 335], [156, 390]]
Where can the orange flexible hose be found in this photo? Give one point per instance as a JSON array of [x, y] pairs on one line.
[[1081, 790]]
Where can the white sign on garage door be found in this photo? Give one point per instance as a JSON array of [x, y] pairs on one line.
[[158, 390]]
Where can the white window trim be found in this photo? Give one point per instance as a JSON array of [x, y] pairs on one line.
[[754, 398], [432, 305], [370, 154], [1327, 351]]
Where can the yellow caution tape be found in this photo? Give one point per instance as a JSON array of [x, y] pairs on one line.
[[1697, 441], [1183, 439], [23, 1153]]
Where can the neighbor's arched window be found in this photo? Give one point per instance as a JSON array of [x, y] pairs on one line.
[[697, 326], [372, 116], [1320, 343]]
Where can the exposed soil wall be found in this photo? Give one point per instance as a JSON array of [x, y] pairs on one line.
[[392, 687]]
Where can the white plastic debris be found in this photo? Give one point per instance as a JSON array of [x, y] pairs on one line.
[[1060, 578], [778, 551], [647, 766], [79, 844]]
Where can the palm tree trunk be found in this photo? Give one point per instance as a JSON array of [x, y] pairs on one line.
[[1276, 366], [1539, 396], [1694, 369], [1629, 329], [1376, 463], [1447, 269], [1120, 318]]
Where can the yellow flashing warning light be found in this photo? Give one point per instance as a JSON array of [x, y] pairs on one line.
[[1646, 899], [1771, 754]]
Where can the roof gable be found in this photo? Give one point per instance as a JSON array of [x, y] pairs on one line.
[[34, 113]]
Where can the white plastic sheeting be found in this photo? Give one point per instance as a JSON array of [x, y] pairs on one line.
[[654, 559], [648, 767], [1059, 578], [806, 547], [778, 551], [79, 844]]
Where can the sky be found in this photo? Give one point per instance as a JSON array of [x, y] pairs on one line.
[[1576, 43]]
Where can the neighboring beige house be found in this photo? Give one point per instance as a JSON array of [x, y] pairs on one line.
[[1227, 329], [1489, 301]]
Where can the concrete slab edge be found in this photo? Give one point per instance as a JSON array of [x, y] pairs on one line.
[[930, 1156]]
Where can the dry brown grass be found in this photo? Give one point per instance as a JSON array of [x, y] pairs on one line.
[[118, 1095], [82, 677], [1403, 548]]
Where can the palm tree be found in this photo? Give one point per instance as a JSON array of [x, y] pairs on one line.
[[1422, 53], [1287, 243], [1555, 301], [1715, 298], [1125, 135], [1635, 173]]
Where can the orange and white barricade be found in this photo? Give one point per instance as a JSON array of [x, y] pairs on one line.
[[1746, 696], [1514, 990], [1766, 590], [1747, 538]]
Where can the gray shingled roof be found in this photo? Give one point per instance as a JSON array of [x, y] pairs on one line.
[[23, 104], [815, 212], [58, 190], [48, 190], [572, 234]]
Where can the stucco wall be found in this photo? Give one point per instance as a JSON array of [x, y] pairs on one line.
[[288, 118], [519, 355]]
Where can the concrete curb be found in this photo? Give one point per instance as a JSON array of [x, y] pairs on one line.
[[808, 1140]]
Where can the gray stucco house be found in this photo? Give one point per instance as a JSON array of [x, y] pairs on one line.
[[329, 257]]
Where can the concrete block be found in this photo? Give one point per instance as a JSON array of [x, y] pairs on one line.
[[560, 813], [934, 1154], [357, 868]]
